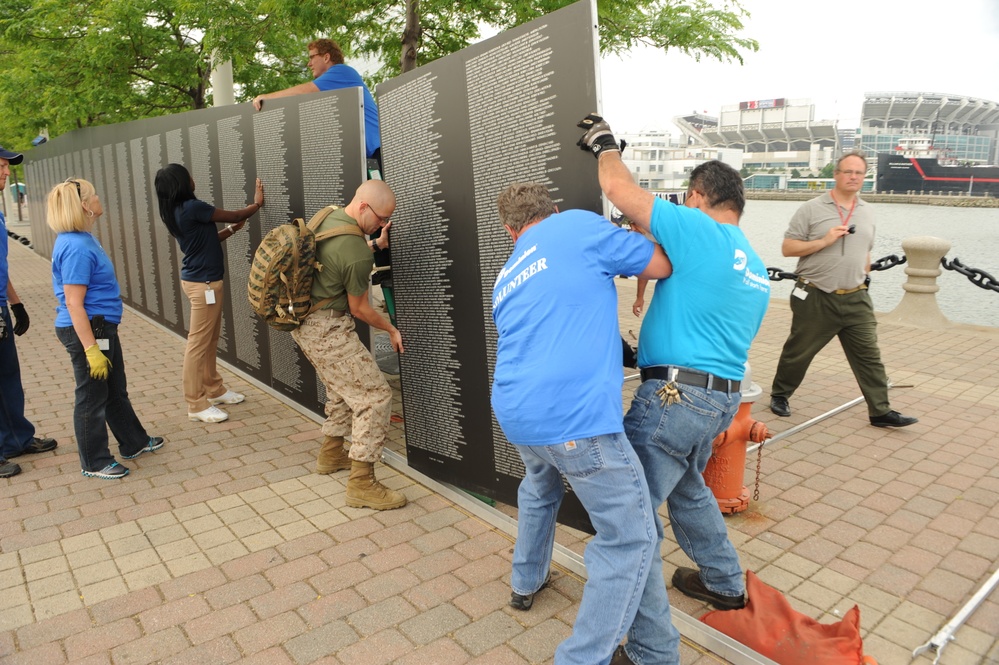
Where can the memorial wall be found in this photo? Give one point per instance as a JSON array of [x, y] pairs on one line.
[[309, 153], [454, 133]]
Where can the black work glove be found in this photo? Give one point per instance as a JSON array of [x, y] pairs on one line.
[[21, 320], [598, 136]]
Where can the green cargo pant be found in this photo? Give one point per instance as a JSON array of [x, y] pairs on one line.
[[815, 321]]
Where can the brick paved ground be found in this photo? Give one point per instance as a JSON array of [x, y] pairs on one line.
[[224, 547]]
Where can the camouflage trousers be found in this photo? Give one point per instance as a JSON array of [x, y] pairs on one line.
[[358, 398]]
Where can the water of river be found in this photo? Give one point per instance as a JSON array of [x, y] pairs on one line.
[[972, 232]]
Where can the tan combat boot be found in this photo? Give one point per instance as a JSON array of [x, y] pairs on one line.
[[332, 456], [363, 491]]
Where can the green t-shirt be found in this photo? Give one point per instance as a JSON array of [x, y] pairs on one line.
[[346, 264]]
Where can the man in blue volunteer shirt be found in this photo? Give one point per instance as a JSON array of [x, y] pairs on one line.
[[17, 434], [557, 395], [330, 73], [692, 352]]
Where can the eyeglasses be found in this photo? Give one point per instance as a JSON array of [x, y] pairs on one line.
[[850, 174], [381, 220], [78, 192], [314, 55]]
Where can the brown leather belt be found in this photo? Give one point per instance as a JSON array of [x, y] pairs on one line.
[[689, 377], [838, 292], [843, 292]]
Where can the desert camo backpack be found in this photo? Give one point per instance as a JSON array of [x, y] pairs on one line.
[[281, 274]]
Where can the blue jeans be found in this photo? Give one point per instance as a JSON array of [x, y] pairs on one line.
[[606, 475], [674, 444], [101, 404], [15, 430]]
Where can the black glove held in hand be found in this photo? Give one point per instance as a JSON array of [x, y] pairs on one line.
[[598, 136], [21, 320]]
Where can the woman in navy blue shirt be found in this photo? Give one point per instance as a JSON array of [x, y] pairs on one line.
[[193, 223], [87, 319]]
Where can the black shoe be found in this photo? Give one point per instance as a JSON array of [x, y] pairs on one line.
[[893, 419], [154, 443], [689, 582], [8, 469], [524, 603], [620, 657], [780, 406], [112, 471], [37, 445]]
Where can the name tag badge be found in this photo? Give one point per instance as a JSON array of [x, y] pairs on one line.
[[104, 344], [210, 296], [799, 293], [570, 445]]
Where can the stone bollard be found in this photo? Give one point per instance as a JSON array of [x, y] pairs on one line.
[[919, 303]]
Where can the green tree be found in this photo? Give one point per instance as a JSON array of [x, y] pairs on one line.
[[744, 172], [795, 173], [827, 170], [89, 62], [96, 62], [402, 34]]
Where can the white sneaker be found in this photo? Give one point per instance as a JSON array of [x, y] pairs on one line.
[[228, 397], [212, 414]]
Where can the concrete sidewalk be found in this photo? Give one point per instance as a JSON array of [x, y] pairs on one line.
[[225, 547]]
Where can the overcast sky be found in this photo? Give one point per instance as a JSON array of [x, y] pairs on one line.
[[831, 53]]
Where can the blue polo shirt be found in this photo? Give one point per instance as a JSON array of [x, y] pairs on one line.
[[558, 358], [345, 76], [79, 259]]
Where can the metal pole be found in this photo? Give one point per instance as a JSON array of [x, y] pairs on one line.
[[807, 424], [17, 195], [946, 634]]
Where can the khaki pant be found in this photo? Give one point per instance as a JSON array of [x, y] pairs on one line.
[[358, 399], [201, 376]]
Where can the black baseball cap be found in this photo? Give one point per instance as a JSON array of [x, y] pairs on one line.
[[12, 157]]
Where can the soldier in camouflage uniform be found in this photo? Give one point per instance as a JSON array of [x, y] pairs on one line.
[[359, 400]]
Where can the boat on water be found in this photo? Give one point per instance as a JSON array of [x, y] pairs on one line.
[[916, 166]]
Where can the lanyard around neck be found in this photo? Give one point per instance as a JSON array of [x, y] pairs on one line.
[[840, 212]]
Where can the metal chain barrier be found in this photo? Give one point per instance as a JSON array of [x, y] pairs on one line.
[[979, 278], [19, 238], [777, 275], [887, 262]]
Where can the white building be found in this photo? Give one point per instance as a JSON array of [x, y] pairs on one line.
[[658, 164], [779, 134]]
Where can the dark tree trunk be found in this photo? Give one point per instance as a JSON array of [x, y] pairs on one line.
[[411, 36]]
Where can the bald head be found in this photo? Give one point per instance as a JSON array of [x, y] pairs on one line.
[[372, 205]]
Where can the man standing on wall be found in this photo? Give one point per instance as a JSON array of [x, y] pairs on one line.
[[692, 352], [358, 399], [832, 236], [330, 73], [557, 395], [17, 434]]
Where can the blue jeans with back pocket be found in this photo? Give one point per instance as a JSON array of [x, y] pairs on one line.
[[673, 442], [605, 474]]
